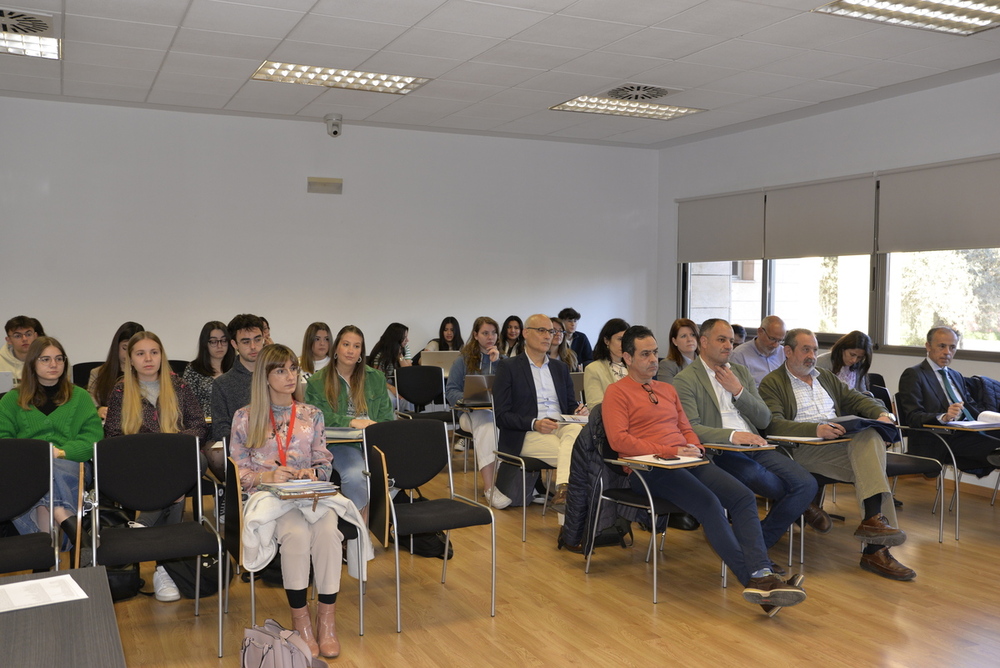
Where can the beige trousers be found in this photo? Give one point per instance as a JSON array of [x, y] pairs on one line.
[[555, 448], [320, 543]]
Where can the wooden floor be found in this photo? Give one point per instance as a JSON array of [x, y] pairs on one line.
[[550, 614]]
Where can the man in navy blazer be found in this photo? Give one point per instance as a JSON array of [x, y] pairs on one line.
[[933, 393], [530, 392]]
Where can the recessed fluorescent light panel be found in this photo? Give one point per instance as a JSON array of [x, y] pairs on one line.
[[634, 108], [956, 17], [334, 78], [24, 34]]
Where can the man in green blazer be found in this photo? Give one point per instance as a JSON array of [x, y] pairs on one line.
[[721, 401], [803, 400]]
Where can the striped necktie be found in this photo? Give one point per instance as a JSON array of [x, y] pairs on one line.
[[952, 397]]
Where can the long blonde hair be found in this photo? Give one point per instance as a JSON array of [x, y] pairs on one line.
[[273, 356], [564, 352], [356, 386], [470, 351], [171, 420]]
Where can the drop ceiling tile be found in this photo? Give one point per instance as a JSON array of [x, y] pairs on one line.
[[679, 74], [815, 65], [803, 5], [100, 74], [500, 75], [550, 6], [888, 42], [319, 55], [727, 18], [481, 19], [810, 31], [240, 19], [216, 66], [748, 55], [660, 43], [356, 98], [629, 11], [318, 111], [416, 112], [441, 44], [117, 33], [183, 82], [532, 99], [210, 43], [293, 5], [191, 99], [754, 83], [112, 56], [765, 106], [699, 98], [543, 122], [456, 90], [526, 54], [466, 123], [663, 131], [952, 56], [269, 97], [161, 12], [821, 91], [884, 73], [408, 64], [603, 127], [345, 32], [573, 32], [30, 67], [611, 65], [23, 84], [570, 84], [100, 91], [394, 11], [497, 112], [53, 7]]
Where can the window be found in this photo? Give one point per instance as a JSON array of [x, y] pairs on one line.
[[824, 294], [957, 288], [725, 290]]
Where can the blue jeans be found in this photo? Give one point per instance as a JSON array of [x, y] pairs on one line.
[[706, 492], [349, 462], [773, 476], [65, 488]]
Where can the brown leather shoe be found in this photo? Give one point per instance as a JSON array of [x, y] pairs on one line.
[[817, 518], [884, 564], [558, 502], [772, 590], [326, 630], [778, 569], [771, 610], [302, 622], [877, 530]]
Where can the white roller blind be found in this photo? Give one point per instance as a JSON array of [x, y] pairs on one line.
[[822, 219], [940, 208], [721, 228]]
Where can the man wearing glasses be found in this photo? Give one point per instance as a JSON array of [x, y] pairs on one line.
[[765, 353], [231, 390], [21, 331], [531, 393], [643, 416]]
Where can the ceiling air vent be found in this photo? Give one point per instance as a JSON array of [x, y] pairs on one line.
[[637, 91], [22, 23]]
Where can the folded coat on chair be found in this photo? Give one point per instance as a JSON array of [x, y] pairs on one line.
[[260, 514]]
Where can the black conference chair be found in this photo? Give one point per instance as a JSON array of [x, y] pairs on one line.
[[415, 451], [148, 472], [81, 373], [178, 366], [32, 461], [422, 385]]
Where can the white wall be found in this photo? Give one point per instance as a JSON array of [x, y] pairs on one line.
[[948, 123], [172, 219]]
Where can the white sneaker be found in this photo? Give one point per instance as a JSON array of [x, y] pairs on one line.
[[538, 498], [496, 498], [136, 525], [460, 445], [164, 586]]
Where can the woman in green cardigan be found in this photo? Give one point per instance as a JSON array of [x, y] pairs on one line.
[[354, 395], [48, 407]]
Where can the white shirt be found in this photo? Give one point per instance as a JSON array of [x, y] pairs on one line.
[[731, 418], [545, 390]]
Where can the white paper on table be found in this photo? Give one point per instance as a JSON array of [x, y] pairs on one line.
[[35, 593]]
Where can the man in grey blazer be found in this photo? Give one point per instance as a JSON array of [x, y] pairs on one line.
[[721, 401]]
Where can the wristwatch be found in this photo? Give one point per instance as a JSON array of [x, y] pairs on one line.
[[888, 415]]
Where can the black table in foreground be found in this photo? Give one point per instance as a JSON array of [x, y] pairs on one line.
[[82, 634]]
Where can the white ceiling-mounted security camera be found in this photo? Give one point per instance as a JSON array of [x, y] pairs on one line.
[[334, 124]]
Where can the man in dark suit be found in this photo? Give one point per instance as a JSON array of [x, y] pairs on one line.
[[530, 392], [933, 393]]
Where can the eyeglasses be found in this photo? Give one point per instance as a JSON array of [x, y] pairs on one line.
[[218, 342], [46, 360], [770, 338], [281, 371], [649, 390], [29, 334], [542, 330]]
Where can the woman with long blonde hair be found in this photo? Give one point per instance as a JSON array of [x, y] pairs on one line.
[[276, 439], [352, 395], [151, 399], [479, 357], [559, 349]]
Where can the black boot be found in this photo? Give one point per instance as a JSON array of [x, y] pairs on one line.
[[68, 527]]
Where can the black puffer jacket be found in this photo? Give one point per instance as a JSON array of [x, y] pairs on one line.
[[985, 392], [586, 471]]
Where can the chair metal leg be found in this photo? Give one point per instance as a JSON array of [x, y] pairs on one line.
[[593, 530], [399, 616], [444, 564], [993, 499], [524, 505], [656, 558], [362, 575], [253, 602], [493, 564]]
